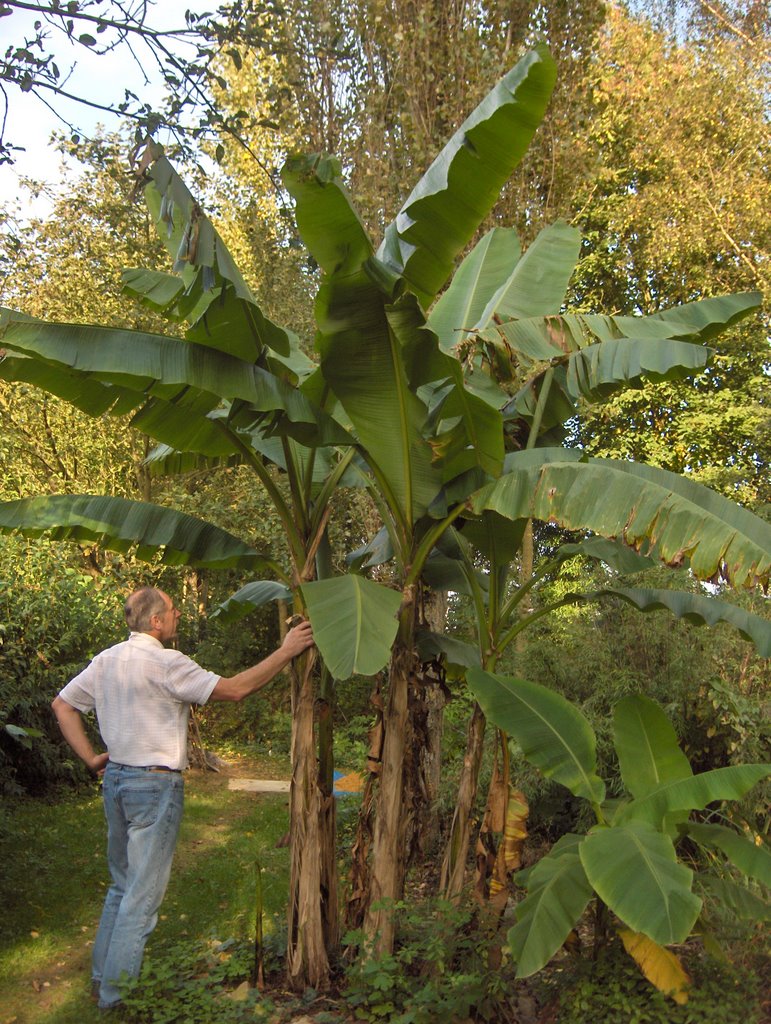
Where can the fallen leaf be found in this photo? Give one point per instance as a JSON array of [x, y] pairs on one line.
[[240, 994]]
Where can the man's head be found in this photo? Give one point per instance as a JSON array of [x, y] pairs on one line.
[[152, 611]]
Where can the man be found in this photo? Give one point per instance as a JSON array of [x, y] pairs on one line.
[[142, 693]]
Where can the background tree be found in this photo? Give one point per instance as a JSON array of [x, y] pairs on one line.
[[662, 225]]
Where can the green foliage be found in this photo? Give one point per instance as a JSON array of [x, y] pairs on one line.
[[711, 685], [612, 990], [53, 619], [438, 971], [190, 983], [628, 858]]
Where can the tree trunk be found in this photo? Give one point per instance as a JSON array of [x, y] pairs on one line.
[[391, 824], [307, 960], [330, 911], [456, 853], [358, 899], [427, 700], [423, 763]]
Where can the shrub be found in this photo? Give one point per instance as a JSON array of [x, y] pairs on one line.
[[53, 620], [613, 990]]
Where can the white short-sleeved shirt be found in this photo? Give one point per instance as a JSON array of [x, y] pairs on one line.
[[142, 693]]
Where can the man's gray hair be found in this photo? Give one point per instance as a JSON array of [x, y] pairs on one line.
[[141, 606]]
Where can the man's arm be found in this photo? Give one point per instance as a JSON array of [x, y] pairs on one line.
[[253, 679], [72, 729]]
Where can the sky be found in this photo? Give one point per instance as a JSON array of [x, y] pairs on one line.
[[30, 123]]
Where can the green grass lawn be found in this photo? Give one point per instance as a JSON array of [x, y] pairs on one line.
[[54, 877]]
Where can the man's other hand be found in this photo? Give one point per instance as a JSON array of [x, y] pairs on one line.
[[98, 763]]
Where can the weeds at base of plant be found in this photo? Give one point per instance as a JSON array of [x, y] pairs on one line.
[[613, 990], [196, 982], [437, 972]]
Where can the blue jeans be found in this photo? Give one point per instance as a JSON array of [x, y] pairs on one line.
[[143, 810]]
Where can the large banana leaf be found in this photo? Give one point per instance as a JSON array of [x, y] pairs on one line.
[[360, 356], [599, 371], [164, 460], [376, 551], [445, 573], [461, 186], [750, 857], [75, 387], [463, 430], [737, 898], [537, 285], [213, 297], [456, 652], [557, 895], [376, 355], [614, 554], [706, 318], [251, 596], [646, 744], [354, 623], [192, 377], [634, 870], [693, 793], [597, 356], [486, 268], [698, 609], [642, 505], [493, 537], [552, 734], [556, 334], [119, 524]]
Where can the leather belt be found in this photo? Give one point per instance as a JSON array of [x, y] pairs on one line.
[[148, 767]]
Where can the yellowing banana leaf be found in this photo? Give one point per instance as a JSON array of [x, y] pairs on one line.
[[515, 829], [659, 965]]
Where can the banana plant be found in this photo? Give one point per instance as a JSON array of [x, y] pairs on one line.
[[628, 861], [417, 426], [432, 428], [494, 282], [501, 316], [479, 561]]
